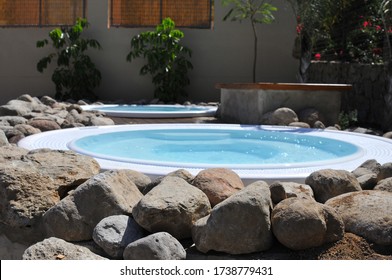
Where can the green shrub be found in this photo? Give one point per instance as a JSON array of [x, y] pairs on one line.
[[75, 76], [167, 59]]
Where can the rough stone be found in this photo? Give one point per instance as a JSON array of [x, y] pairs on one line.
[[301, 223], [158, 246], [327, 183], [99, 121], [319, 125], [283, 190], [44, 125], [3, 139], [218, 184], [26, 129], [299, 124], [281, 116], [114, 233], [368, 167], [106, 194], [30, 184], [173, 206], [181, 173], [310, 116], [238, 225], [384, 185], [368, 181], [385, 171], [13, 120], [367, 214], [57, 249]]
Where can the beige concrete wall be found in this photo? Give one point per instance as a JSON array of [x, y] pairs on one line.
[[220, 55]]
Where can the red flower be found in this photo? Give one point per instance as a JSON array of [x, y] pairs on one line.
[[366, 24], [378, 28], [317, 56]]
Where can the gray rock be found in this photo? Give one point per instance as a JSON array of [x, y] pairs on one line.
[[238, 225], [57, 249], [319, 125], [310, 116], [8, 154], [367, 214], [388, 135], [30, 184], [281, 116], [172, 206], [384, 185], [368, 167], [13, 120], [49, 101], [158, 246], [114, 233], [368, 181], [302, 223], [26, 129], [106, 194], [328, 183], [3, 139], [385, 171], [180, 173], [141, 181], [299, 124], [44, 125], [218, 184], [99, 121], [283, 190]]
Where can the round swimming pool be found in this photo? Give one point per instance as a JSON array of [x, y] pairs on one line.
[[153, 111], [254, 152]]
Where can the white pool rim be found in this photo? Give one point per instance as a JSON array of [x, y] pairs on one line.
[[202, 111], [370, 147]]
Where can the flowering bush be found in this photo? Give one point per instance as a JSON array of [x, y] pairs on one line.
[[342, 30]]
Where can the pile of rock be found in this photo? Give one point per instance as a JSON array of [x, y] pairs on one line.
[[28, 115], [72, 210]]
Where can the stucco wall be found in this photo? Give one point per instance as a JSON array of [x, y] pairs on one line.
[[220, 55]]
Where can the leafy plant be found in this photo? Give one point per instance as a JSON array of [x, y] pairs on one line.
[[76, 75], [347, 119], [257, 11], [167, 59]]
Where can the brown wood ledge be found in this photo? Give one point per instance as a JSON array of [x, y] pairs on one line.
[[285, 86]]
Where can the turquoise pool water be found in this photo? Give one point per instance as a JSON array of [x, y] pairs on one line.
[[209, 147]]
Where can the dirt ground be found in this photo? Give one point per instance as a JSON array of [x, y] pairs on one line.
[[351, 247]]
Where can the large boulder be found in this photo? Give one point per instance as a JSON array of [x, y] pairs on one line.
[[114, 233], [328, 183], [283, 190], [218, 184], [385, 171], [238, 225], [30, 184], [302, 223], [75, 217], [384, 185], [173, 206], [281, 116], [158, 246], [56, 249], [367, 214]]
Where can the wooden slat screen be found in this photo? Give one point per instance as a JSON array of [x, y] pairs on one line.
[[138, 13], [40, 12]]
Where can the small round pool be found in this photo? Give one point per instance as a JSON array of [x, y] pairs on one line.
[[254, 152], [153, 111]]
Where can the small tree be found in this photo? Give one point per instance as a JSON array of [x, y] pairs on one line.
[[76, 75], [167, 59], [257, 11]]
